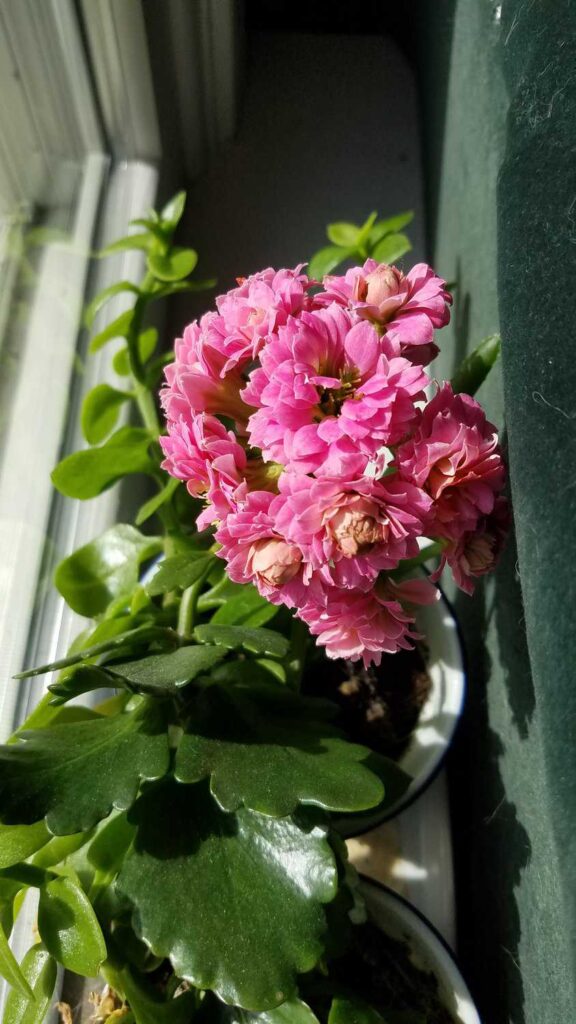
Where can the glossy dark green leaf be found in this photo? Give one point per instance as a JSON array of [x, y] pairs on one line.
[[100, 410], [83, 679], [353, 1011], [69, 927], [179, 572], [173, 265], [159, 634], [343, 233], [171, 213], [293, 1011], [228, 871], [10, 969], [391, 248], [39, 969], [135, 241], [104, 569], [104, 296], [267, 748], [108, 848], [17, 842], [389, 226], [166, 673], [476, 366], [156, 501], [259, 641], [327, 259], [87, 473], [147, 342], [244, 607], [148, 1006], [119, 328], [73, 775]]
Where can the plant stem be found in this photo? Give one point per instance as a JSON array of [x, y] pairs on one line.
[[187, 610], [299, 637]]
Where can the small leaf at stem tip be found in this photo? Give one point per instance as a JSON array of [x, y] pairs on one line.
[[258, 641], [391, 248], [328, 259], [364, 232], [147, 342], [156, 501], [173, 265], [137, 241], [119, 328], [100, 410], [104, 569], [87, 473], [69, 927], [104, 296], [39, 970], [171, 214], [343, 233], [179, 572], [476, 366], [389, 226]]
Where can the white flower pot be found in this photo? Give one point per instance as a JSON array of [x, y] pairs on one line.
[[400, 920]]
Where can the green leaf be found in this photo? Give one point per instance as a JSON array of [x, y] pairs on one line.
[[108, 848], [73, 775], [10, 970], [136, 241], [233, 869], [343, 234], [119, 328], [185, 286], [39, 970], [60, 848], [476, 366], [259, 641], [156, 501], [390, 226], [179, 572], [171, 214], [147, 342], [245, 607], [100, 410], [104, 296], [149, 1008], [158, 634], [104, 569], [166, 673], [87, 473], [17, 842], [269, 749], [69, 927], [293, 1011], [391, 248], [173, 265], [328, 259], [83, 679], [364, 233], [353, 1011]]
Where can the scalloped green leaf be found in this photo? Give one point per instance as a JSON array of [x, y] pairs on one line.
[[167, 673], [69, 927], [256, 640], [228, 870], [39, 970], [476, 366], [269, 749], [104, 569], [73, 775], [173, 265], [100, 411], [87, 473], [391, 248]]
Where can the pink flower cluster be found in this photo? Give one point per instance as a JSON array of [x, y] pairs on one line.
[[300, 416]]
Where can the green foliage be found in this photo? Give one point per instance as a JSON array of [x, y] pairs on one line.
[[353, 1011], [269, 749], [146, 343], [234, 869], [86, 474], [104, 569], [258, 641], [17, 842], [69, 927], [100, 411], [380, 239], [73, 775], [179, 572], [477, 365], [166, 673], [9, 969], [39, 970]]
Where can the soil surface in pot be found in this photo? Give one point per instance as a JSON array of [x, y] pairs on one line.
[[379, 707], [378, 970]]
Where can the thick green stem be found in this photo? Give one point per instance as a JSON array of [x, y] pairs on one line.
[[187, 612], [147, 408]]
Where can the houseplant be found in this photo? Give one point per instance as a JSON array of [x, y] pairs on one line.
[[209, 779]]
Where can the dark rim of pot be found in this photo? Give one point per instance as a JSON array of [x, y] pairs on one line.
[[371, 818], [375, 884]]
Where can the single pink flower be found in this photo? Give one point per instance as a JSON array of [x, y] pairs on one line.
[[476, 552], [257, 308], [454, 455], [407, 306], [350, 530], [330, 393]]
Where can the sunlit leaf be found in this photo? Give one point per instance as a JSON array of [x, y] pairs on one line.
[[179, 572], [156, 501], [173, 265], [87, 473], [147, 342], [104, 296], [343, 233], [10, 969], [391, 248], [171, 214], [259, 641], [476, 366], [136, 241], [100, 411], [119, 328], [39, 970], [69, 927], [327, 259], [17, 842]]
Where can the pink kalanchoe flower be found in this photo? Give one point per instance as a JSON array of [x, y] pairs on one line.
[[454, 455], [476, 552], [350, 530], [408, 306], [258, 307], [330, 393]]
